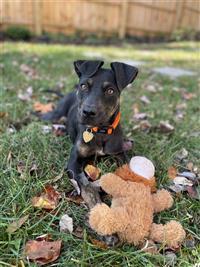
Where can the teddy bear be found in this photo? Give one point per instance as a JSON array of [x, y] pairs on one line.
[[132, 209]]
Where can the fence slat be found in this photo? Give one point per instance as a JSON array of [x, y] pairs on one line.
[[37, 6]]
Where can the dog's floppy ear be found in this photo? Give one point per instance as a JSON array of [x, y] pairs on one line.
[[87, 67], [124, 74]]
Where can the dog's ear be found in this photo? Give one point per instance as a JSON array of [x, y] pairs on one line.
[[124, 74], [87, 67]]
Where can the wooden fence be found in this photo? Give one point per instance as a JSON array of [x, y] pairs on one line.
[[102, 17]]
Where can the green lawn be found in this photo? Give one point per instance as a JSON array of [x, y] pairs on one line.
[[53, 65]]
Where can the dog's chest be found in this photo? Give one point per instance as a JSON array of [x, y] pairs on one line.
[[94, 147]]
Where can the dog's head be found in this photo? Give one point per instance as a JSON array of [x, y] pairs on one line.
[[99, 89]]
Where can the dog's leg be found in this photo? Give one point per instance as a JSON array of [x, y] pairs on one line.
[[75, 171]]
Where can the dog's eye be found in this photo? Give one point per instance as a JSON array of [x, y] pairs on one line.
[[109, 91], [84, 87]]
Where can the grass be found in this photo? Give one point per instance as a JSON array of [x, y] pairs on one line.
[[53, 64]]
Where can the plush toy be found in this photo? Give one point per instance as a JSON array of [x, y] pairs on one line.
[[131, 212]]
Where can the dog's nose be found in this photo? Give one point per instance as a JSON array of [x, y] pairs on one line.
[[89, 112]]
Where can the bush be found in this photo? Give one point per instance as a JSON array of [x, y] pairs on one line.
[[18, 33]]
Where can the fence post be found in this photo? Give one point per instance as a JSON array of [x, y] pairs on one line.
[[123, 19], [37, 6]]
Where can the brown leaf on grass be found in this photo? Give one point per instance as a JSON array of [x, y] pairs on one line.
[[27, 70], [193, 191], [75, 199], [92, 171], [145, 99], [3, 115], [78, 232], [149, 247], [135, 108], [42, 252], [58, 177], [172, 172], [187, 96], [14, 226], [140, 116], [166, 127], [98, 243], [26, 96], [21, 169], [43, 108], [48, 199]]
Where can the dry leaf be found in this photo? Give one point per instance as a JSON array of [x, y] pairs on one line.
[[140, 116], [172, 172], [166, 127], [42, 252], [30, 72], [193, 191], [98, 243], [27, 95], [145, 99], [77, 199], [135, 108], [78, 232], [66, 224], [92, 171], [58, 177], [187, 95], [3, 115], [145, 125], [48, 199], [149, 247], [179, 180], [43, 108], [14, 226]]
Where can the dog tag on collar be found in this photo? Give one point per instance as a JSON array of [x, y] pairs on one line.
[[87, 136]]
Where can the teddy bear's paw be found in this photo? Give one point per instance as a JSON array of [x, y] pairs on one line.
[[101, 219], [162, 200]]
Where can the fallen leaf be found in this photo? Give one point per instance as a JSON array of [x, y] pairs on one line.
[[27, 70], [66, 223], [187, 96], [42, 252], [190, 175], [77, 199], [190, 166], [14, 226], [27, 95], [58, 177], [149, 247], [78, 232], [172, 172], [179, 180], [145, 125], [189, 241], [46, 129], [194, 191], [43, 108], [140, 116], [151, 88], [48, 199], [21, 169], [182, 154], [92, 171], [166, 127], [98, 243], [3, 115], [135, 108], [177, 188], [145, 99]]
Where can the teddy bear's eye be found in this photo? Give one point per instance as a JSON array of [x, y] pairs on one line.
[[109, 91]]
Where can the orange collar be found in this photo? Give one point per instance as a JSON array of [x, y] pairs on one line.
[[108, 129]]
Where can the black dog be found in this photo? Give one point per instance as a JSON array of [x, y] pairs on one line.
[[93, 114]]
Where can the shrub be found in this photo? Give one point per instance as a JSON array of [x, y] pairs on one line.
[[18, 33]]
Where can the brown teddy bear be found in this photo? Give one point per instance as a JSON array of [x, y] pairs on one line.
[[131, 213]]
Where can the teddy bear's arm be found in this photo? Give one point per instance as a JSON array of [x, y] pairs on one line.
[[114, 185], [106, 221], [162, 200]]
